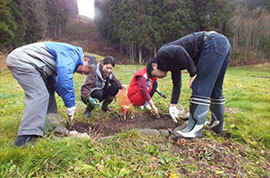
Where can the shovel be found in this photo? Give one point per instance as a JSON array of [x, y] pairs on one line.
[[70, 118], [157, 115]]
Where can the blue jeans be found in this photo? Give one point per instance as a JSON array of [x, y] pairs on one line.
[[211, 67]]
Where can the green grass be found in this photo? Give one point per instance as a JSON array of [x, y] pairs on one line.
[[248, 90], [247, 121]]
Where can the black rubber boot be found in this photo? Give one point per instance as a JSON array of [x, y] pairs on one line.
[[199, 107], [105, 105], [217, 108], [88, 109], [24, 140]]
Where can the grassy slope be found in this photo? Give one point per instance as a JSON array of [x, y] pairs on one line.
[[247, 92]]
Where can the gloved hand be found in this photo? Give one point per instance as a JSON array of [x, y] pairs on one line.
[[94, 102], [123, 87], [70, 112], [174, 113]]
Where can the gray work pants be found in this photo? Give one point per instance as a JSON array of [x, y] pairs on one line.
[[37, 98]]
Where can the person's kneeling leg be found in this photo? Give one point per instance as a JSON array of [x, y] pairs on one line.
[[111, 93], [89, 108]]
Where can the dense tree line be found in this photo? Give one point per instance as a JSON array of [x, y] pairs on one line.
[[251, 30], [140, 27], [26, 21]]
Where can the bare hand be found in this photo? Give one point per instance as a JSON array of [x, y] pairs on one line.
[[155, 109], [192, 80]]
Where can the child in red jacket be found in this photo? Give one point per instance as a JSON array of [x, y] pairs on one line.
[[142, 87]]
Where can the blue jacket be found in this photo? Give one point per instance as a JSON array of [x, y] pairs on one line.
[[67, 59]]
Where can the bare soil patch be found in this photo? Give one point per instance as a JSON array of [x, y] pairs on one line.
[[114, 124]]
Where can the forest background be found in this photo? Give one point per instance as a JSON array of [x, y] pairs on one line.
[[137, 28]]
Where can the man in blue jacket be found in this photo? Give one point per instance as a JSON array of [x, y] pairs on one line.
[[42, 68]]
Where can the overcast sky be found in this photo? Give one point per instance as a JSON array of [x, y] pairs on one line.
[[86, 8]]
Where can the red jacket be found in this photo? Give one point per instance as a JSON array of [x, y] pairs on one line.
[[134, 93]]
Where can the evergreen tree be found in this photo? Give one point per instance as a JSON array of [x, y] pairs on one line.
[[27, 21], [176, 19], [7, 25], [141, 26], [134, 30], [17, 11], [156, 35], [104, 18], [213, 15], [56, 18], [35, 20]]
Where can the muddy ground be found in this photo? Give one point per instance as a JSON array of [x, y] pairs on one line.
[[116, 124]]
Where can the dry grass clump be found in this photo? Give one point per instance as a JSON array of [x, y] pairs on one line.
[[3, 65]]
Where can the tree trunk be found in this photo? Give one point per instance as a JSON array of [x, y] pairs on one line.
[[121, 48], [60, 29], [132, 52], [155, 50], [140, 55], [45, 30], [150, 54]]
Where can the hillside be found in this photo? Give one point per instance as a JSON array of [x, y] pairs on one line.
[[82, 31]]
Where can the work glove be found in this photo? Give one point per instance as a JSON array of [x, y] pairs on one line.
[[147, 106], [161, 94], [174, 113], [183, 114], [70, 112], [123, 87], [94, 102]]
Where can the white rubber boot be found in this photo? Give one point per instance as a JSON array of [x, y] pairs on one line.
[[199, 107]]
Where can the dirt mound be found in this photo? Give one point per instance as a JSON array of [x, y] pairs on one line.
[[114, 125]]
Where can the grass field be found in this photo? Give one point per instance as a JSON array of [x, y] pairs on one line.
[[247, 122]]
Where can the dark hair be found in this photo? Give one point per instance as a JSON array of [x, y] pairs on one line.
[[109, 60], [92, 62], [149, 67]]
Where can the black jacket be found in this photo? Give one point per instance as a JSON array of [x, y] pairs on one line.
[[179, 55]]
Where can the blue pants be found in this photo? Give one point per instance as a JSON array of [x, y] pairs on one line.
[[211, 67]]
